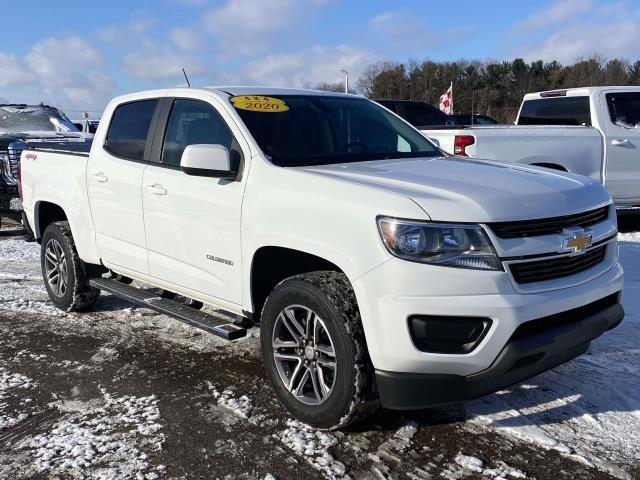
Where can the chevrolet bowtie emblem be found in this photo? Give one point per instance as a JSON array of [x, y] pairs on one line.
[[577, 240]]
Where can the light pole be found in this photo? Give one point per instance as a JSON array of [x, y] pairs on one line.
[[346, 81]]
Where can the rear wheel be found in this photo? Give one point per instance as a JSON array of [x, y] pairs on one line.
[[63, 271], [314, 350]]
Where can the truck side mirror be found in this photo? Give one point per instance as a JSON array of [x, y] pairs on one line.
[[206, 160]]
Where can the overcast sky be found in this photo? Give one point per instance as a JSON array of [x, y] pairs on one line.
[[78, 54]]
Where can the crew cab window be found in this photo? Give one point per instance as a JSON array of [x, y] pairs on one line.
[[129, 128], [192, 122], [556, 111], [624, 109]]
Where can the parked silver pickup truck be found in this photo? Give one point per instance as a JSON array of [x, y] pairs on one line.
[[591, 131]]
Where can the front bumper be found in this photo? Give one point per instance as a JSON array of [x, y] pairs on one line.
[[535, 347], [7, 193], [396, 290]]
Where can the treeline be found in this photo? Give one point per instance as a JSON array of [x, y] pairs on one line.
[[493, 88]]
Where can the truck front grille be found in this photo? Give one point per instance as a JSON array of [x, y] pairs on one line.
[[549, 269], [549, 226], [14, 159]]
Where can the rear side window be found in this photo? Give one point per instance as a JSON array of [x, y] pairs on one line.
[[421, 115], [556, 111], [190, 123], [391, 106], [129, 128], [624, 109]]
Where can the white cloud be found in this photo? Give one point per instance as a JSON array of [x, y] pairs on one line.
[[186, 39], [556, 12], [246, 27], [64, 71], [13, 71], [611, 32], [153, 63], [57, 61], [304, 68]]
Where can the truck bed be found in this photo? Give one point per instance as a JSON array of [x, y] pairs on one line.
[[73, 148], [579, 148]]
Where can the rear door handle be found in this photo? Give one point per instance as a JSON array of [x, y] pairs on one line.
[[157, 189], [620, 142], [100, 177]]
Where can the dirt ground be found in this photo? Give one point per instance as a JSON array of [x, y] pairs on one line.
[[126, 393]]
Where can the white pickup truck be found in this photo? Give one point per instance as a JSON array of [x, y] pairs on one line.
[[380, 271], [591, 131]]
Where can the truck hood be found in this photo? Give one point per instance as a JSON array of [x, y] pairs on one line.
[[456, 189]]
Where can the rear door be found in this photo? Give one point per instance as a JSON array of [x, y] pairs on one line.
[[193, 223], [114, 180], [621, 121]]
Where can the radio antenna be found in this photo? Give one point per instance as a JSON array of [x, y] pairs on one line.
[[186, 78]]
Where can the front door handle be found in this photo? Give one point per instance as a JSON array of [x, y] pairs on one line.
[[100, 177], [157, 189], [620, 142]]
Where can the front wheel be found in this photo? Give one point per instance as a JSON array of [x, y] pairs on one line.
[[314, 350], [62, 270]]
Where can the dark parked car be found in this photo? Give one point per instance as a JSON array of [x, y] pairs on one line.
[[476, 119], [20, 125], [418, 114]]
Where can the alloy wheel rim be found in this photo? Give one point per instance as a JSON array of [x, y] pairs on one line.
[[55, 267], [304, 354]]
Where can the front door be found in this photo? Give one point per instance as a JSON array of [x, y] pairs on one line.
[[114, 180], [622, 128], [193, 223]]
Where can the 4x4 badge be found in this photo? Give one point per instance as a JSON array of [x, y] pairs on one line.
[[578, 240]]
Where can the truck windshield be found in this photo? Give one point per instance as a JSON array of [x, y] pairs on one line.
[[33, 118], [301, 130]]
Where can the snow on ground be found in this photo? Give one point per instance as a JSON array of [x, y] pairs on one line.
[[313, 445], [393, 449], [242, 406], [588, 408], [465, 465], [108, 439], [8, 383], [21, 287]]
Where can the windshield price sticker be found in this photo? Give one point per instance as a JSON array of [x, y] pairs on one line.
[[259, 103]]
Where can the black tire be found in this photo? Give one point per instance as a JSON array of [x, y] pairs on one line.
[[329, 295], [77, 295]]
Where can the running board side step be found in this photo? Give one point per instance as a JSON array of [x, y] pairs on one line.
[[148, 299]]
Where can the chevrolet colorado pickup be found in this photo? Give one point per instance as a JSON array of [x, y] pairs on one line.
[[379, 270], [591, 131]]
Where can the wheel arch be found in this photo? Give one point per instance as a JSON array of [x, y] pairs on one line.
[[553, 166], [272, 264], [46, 213]]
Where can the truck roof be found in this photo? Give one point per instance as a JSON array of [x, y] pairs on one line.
[[578, 92], [224, 91], [258, 90]]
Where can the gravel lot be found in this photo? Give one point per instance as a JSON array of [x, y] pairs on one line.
[[125, 393]]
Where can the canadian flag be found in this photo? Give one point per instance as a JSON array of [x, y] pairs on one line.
[[446, 100]]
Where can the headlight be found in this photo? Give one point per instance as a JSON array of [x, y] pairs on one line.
[[462, 246]]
